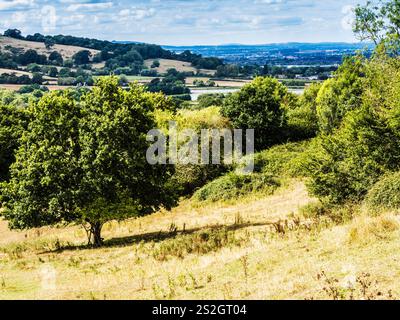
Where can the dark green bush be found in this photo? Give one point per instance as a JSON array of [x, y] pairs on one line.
[[233, 185], [189, 178], [344, 166], [259, 105], [386, 192]]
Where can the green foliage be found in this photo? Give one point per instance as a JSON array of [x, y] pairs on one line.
[[233, 185], [378, 21], [210, 100], [189, 178], [56, 57], [82, 57], [155, 64], [302, 122], [345, 165], [385, 193], [282, 160], [86, 163], [13, 122], [339, 95], [259, 106]]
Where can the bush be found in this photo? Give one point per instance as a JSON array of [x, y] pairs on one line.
[[341, 94], [343, 166], [302, 119], [386, 192], [197, 243], [209, 100], [191, 177], [282, 160], [234, 185], [259, 105]]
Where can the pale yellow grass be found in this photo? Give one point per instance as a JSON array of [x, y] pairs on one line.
[[230, 83], [51, 87], [181, 66], [267, 266], [21, 73], [16, 72], [66, 51]]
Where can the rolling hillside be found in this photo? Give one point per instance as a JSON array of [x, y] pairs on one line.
[[181, 66], [168, 256], [66, 51]]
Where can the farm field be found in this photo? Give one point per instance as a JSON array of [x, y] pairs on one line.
[[21, 73], [16, 87], [66, 51], [181, 66]]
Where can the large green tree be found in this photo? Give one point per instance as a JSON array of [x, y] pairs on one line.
[[259, 105], [13, 122], [86, 162]]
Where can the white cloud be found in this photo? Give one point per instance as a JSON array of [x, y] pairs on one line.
[[137, 13], [349, 18], [6, 5], [89, 6], [19, 17]]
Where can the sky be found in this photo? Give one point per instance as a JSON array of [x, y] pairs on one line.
[[185, 22]]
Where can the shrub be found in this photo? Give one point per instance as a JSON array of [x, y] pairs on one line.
[[234, 185], [302, 119], [337, 214], [209, 100], [281, 160], [259, 105], [344, 166], [341, 94], [197, 243], [192, 177], [386, 192], [188, 178]]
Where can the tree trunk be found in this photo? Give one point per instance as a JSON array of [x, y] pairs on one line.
[[95, 230]]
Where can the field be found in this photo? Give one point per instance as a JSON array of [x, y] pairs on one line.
[[21, 73], [226, 83], [17, 72], [256, 248], [66, 51], [16, 87], [166, 64]]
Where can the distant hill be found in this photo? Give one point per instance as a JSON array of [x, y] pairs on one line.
[[327, 53]]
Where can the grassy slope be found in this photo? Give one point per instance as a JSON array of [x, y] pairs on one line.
[[258, 264], [66, 51], [181, 66]]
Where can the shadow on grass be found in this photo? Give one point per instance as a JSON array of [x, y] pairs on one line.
[[155, 237]]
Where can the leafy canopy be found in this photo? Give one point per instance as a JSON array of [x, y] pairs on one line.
[[86, 162], [259, 105]]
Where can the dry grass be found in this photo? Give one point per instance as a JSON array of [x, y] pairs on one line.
[[66, 51], [16, 72], [166, 64], [229, 83], [51, 87], [217, 251]]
